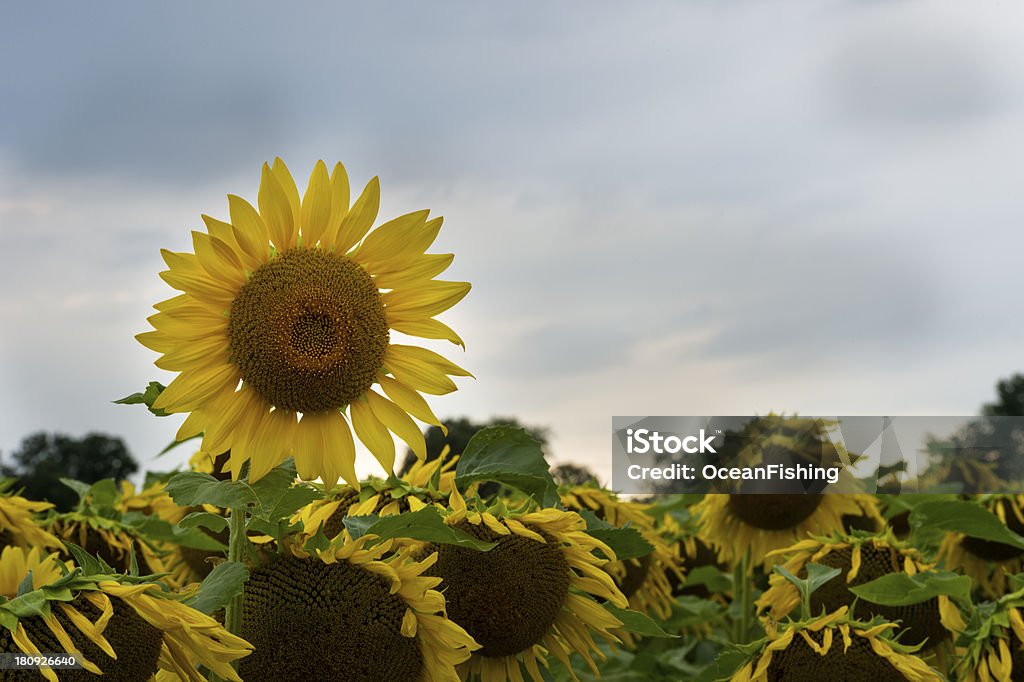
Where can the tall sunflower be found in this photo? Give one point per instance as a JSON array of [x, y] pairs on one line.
[[123, 628], [284, 326], [531, 595], [995, 642], [355, 611], [834, 647], [990, 564], [861, 559], [734, 524], [644, 581]]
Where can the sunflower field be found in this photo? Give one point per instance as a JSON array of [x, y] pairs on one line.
[[270, 559]]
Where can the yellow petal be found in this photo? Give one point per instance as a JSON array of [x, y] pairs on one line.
[[398, 421], [392, 238], [284, 177], [373, 434], [358, 221], [316, 205], [408, 399], [426, 299], [249, 229], [276, 211], [339, 205], [428, 329]]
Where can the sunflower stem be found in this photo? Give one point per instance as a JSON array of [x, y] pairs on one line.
[[741, 591], [236, 551]]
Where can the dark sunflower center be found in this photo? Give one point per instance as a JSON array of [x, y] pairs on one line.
[[919, 622], [773, 512], [798, 662], [637, 571], [308, 331], [136, 643], [506, 598], [313, 621]]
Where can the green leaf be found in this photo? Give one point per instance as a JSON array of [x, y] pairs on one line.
[[289, 501], [214, 522], [193, 488], [637, 623], [89, 564], [103, 493], [26, 585], [81, 489], [425, 524], [817, 575], [508, 455], [627, 543], [154, 528], [147, 398], [964, 517], [224, 582], [30, 604], [900, 589], [710, 577]]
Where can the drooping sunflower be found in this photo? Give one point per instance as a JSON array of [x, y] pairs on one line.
[[644, 581], [284, 326], [990, 564], [834, 647], [862, 558], [113, 541], [123, 628], [732, 524], [995, 643], [353, 611], [531, 594], [20, 523]]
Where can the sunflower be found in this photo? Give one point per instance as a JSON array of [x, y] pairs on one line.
[[995, 646], [644, 581], [153, 500], [18, 522], [733, 524], [861, 559], [834, 647], [379, 614], [531, 594], [990, 564], [114, 542], [123, 628], [284, 325]]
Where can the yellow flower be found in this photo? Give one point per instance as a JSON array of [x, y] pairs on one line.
[[18, 524], [121, 630], [764, 523], [359, 611], [644, 581], [531, 595], [834, 647], [990, 564], [861, 559], [284, 326]]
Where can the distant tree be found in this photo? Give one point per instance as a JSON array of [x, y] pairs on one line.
[[572, 474], [974, 441], [1011, 398], [43, 459], [460, 431]]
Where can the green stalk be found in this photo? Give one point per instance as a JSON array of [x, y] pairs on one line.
[[236, 552], [741, 593]]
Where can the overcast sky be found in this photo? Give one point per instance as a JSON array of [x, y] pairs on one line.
[[664, 208]]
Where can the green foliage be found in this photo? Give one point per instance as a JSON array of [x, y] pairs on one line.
[[963, 517], [626, 542], [425, 524], [508, 455], [225, 581], [817, 575], [900, 589], [638, 623], [147, 398]]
